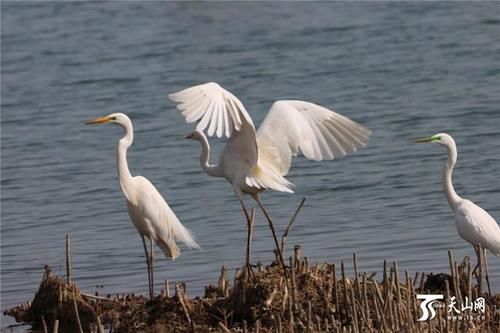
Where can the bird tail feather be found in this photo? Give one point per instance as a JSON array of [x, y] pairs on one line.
[[184, 235], [175, 232], [169, 248], [262, 176]]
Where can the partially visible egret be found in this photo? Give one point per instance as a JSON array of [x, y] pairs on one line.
[[147, 209], [473, 223], [254, 161]]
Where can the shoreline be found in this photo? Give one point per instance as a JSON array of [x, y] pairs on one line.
[[301, 298]]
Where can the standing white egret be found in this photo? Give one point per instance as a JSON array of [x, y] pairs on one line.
[[473, 223], [147, 209], [253, 161]]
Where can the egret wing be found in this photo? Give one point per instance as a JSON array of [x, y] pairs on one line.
[[475, 225], [293, 126], [163, 225], [215, 108]]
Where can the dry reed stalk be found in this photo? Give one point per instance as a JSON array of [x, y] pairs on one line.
[[290, 224], [257, 326], [59, 296], [458, 284], [222, 280], [409, 300], [396, 281], [55, 329], [385, 282], [224, 327], [356, 275], [68, 260], [100, 327], [279, 325], [285, 298], [414, 308], [44, 325], [447, 300], [309, 322], [388, 305], [180, 297], [293, 285], [98, 298], [395, 313], [291, 322], [354, 312], [76, 311], [296, 256], [469, 280], [440, 320], [365, 297], [452, 269], [334, 277], [379, 309], [344, 282], [421, 285], [167, 288]]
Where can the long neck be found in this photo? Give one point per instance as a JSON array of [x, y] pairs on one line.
[[121, 159], [211, 169], [451, 195]]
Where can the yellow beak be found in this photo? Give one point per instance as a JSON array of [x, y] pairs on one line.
[[101, 120]]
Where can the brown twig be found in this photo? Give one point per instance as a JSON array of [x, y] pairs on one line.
[[79, 323], [44, 325], [224, 327], [180, 297], [290, 224], [55, 329], [68, 260]]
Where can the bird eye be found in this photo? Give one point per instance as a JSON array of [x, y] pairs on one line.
[[436, 138]]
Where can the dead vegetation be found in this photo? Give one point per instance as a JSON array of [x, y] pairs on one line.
[[311, 298]]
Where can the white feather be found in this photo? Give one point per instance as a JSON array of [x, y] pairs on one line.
[[261, 160]]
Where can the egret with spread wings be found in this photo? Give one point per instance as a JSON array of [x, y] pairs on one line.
[[147, 209], [254, 161], [473, 223]]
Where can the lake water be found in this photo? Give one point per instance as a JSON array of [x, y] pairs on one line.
[[404, 70]]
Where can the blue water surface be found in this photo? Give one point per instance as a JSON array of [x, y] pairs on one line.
[[403, 69]]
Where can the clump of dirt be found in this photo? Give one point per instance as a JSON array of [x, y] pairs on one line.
[[55, 299]]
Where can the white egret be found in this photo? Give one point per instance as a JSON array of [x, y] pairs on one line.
[[147, 209], [254, 161], [473, 223]]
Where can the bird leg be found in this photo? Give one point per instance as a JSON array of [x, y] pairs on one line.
[[245, 211], [152, 253], [486, 270], [271, 226], [250, 221], [249, 242], [479, 266], [149, 267]]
